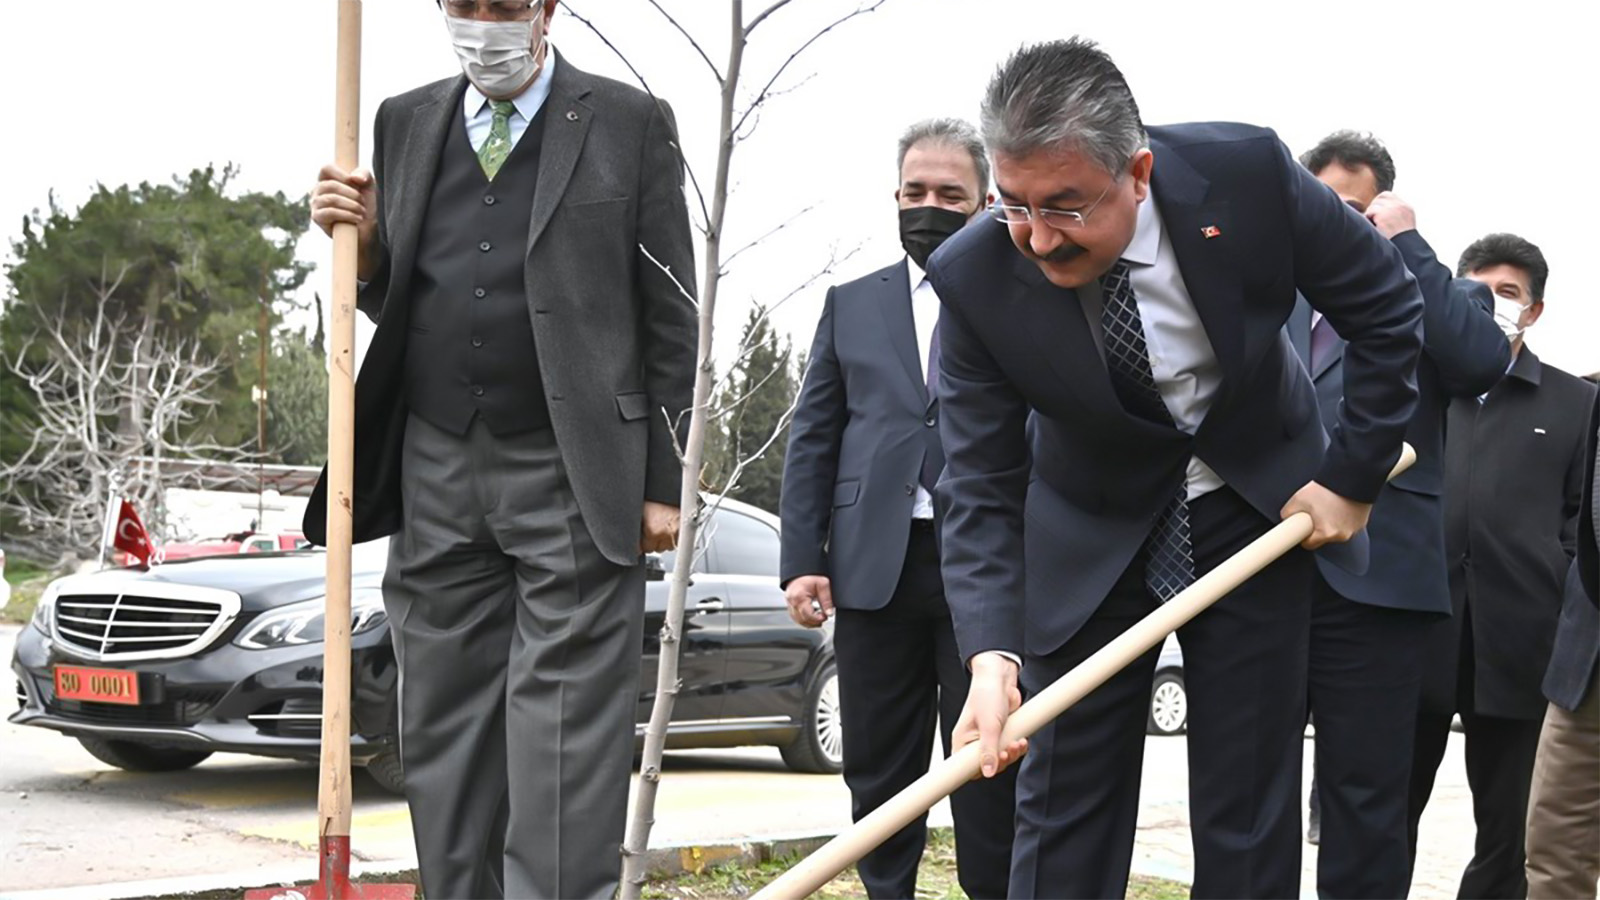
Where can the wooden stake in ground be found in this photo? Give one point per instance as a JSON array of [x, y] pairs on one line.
[[834, 857], [333, 791]]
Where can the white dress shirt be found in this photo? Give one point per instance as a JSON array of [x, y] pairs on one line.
[[480, 115], [1181, 356], [925, 315]]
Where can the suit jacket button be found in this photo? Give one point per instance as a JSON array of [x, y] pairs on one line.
[[480, 293], [931, 421], [477, 391], [910, 489], [485, 246], [488, 200]]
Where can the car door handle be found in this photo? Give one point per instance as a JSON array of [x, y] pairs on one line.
[[708, 605]]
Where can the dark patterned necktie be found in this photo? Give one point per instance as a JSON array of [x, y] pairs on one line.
[[1168, 552]]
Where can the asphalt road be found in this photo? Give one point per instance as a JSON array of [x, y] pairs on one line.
[[68, 821]]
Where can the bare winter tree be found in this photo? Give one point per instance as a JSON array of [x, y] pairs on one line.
[[740, 113], [113, 404]]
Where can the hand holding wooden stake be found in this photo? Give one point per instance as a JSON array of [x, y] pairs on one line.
[[333, 793], [942, 780]]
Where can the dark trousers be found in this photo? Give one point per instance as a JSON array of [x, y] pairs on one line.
[[899, 670], [519, 648], [1245, 675], [1365, 681], [1499, 756]]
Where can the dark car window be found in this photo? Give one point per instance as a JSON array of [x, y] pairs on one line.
[[741, 545]]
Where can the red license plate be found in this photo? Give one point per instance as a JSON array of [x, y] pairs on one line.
[[97, 685]]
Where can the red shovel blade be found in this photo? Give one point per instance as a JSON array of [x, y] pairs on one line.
[[335, 883]]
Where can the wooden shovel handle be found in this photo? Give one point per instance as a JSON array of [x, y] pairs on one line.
[[333, 791], [942, 779]]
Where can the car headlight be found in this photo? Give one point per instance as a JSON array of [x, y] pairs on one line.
[[44, 613], [302, 623]]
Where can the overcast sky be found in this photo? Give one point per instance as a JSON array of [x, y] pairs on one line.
[[1485, 106]]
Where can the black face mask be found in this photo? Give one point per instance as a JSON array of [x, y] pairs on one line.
[[924, 228]]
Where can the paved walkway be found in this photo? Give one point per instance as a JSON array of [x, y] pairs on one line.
[[68, 821]]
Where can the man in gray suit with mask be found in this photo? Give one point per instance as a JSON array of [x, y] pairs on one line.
[[515, 423]]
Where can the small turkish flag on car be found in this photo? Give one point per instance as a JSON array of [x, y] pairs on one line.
[[131, 537]]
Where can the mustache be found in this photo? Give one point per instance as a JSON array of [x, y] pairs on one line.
[[1062, 254]]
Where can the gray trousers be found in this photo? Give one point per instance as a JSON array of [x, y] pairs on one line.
[[519, 647]]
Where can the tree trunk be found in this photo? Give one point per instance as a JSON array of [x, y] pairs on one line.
[[667, 682]]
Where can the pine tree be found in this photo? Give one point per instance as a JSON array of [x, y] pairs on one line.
[[754, 405]]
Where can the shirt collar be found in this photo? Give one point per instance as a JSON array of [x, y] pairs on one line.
[[528, 103], [916, 273], [1526, 367], [1146, 243]]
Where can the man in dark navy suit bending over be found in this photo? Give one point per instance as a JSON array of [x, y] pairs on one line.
[[1132, 297]]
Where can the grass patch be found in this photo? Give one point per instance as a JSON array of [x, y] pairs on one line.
[[936, 881], [27, 580]]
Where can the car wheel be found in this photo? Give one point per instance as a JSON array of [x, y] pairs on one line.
[[1169, 705], [142, 757], [820, 746], [388, 771]]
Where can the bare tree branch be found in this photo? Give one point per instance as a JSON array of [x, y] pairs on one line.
[[715, 72], [667, 271], [761, 96], [779, 227], [777, 432], [86, 373], [762, 17]]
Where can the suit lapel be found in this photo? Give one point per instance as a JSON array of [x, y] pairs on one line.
[[1199, 233], [1299, 329], [419, 165], [566, 125], [1059, 327], [898, 318]]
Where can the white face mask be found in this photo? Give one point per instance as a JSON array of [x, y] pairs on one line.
[[1508, 315], [498, 57]]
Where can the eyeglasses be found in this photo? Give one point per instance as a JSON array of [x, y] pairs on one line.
[[503, 10], [1061, 219]]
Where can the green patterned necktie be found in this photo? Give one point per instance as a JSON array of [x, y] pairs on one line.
[[492, 155]]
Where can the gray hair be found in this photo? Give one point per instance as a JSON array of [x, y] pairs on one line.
[[1063, 95], [957, 133]]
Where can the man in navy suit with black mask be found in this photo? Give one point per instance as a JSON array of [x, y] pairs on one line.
[[1131, 299], [1365, 676], [858, 522]]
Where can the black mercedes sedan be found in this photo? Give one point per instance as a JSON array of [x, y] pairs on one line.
[[156, 670]]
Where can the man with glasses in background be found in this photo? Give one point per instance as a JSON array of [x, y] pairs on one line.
[[514, 433], [1131, 301], [1365, 675]]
